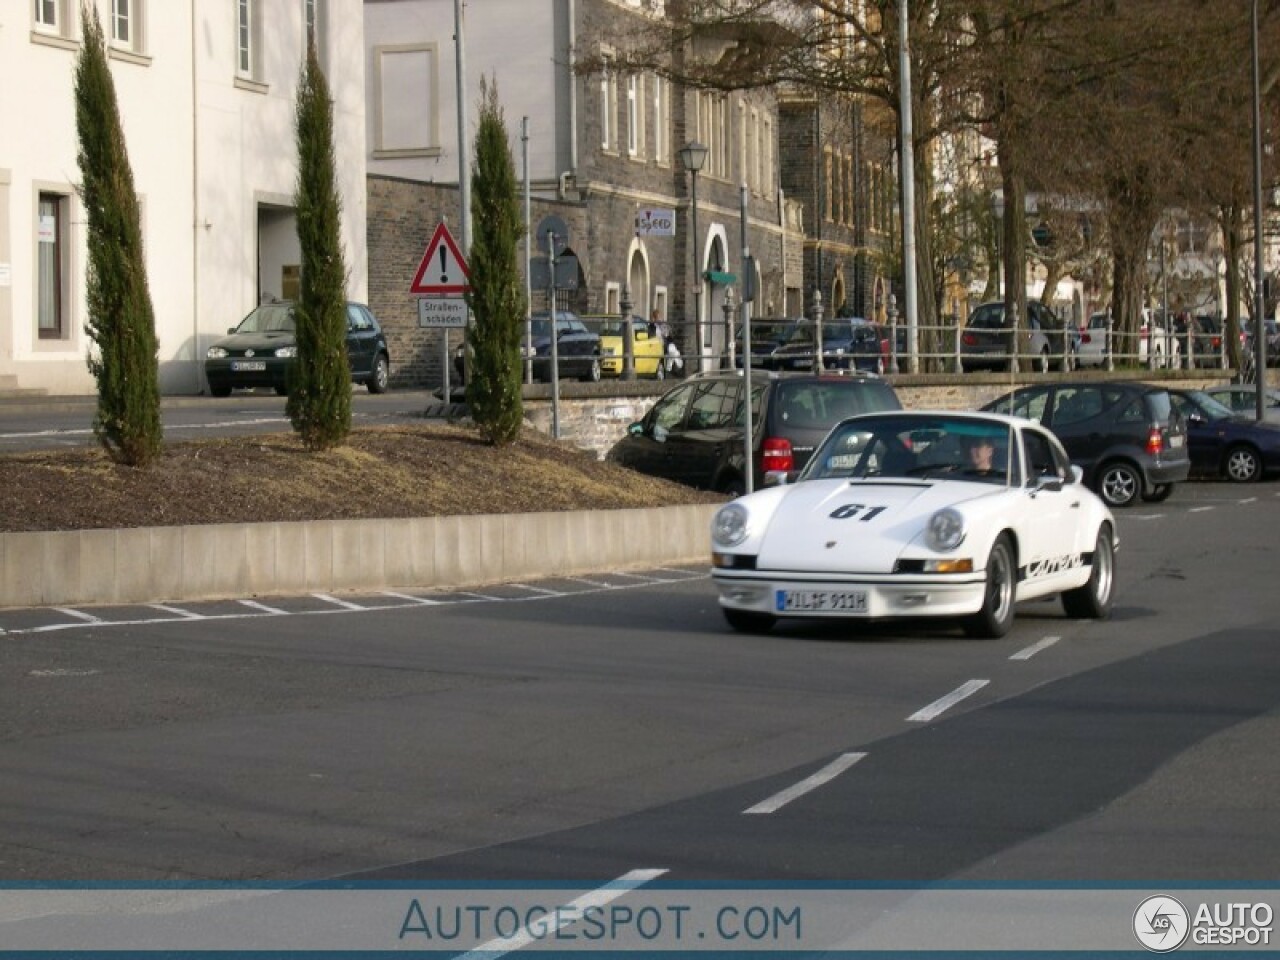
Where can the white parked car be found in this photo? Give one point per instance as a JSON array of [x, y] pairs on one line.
[[918, 514]]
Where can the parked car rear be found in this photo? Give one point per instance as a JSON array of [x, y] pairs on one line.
[[1127, 437], [1043, 341], [694, 433]]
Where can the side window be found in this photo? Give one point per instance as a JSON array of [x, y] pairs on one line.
[[1040, 459], [357, 319], [712, 406], [1132, 412], [1029, 404], [668, 413], [1072, 405]]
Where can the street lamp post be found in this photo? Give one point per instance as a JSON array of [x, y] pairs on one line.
[[692, 156]]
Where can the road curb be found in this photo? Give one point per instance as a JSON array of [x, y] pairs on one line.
[[171, 564]]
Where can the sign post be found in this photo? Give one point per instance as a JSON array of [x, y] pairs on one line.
[[441, 283]]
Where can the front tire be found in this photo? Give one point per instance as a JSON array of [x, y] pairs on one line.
[[380, 375], [996, 616], [1093, 600], [1242, 464], [1119, 483], [747, 621]]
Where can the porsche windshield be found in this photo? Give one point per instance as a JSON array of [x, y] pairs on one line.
[[956, 448]]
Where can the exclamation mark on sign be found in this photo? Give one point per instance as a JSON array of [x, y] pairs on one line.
[[444, 277]]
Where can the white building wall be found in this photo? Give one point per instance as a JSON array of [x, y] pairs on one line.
[[511, 41], [206, 151]]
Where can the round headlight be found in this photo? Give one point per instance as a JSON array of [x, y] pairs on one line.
[[216, 353], [729, 528], [946, 530]]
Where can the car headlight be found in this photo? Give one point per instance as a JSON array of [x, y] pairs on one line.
[[729, 528], [216, 353], [287, 351], [945, 531]]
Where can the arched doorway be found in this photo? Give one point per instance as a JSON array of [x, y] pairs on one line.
[[716, 274], [638, 287]]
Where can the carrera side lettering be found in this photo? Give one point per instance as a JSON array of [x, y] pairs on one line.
[[1051, 565]]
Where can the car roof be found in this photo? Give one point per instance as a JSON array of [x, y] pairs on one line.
[[1003, 419]]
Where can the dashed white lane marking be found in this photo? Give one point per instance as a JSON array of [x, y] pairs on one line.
[[1200, 509], [178, 611], [345, 604], [638, 576], [425, 601], [925, 714], [1145, 516], [1028, 652], [576, 908], [540, 591], [825, 775], [1248, 500], [79, 614], [255, 605]]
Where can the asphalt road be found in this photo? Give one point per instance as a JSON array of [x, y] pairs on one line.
[[584, 729], [48, 423]]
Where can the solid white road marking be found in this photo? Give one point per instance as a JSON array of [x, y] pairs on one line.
[[79, 614], [255, 605], [825, 775], [1028, 652], [345, 604], [596, 898], [185, 614], [925, 714], [541, 591], [425, 601], [1200, 509]]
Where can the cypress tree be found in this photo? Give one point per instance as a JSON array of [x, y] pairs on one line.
[[497, 292], [319, 404], [121, 319]]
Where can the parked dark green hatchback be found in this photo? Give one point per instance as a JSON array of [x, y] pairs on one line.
[[263, 349]]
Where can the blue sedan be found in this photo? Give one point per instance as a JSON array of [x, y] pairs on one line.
[[1222, 443]]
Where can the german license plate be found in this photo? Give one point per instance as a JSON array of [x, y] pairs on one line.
[[247, 365], [821, 601]]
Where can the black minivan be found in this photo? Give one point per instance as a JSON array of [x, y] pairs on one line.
[[1127, 437], [693, 434]]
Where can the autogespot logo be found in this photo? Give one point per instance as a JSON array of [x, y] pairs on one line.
[[1161, 923]]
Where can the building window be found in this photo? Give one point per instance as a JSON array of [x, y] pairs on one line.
[[247, 38], [612, 298], [766, 151], [315, 25], [51, 249], [661, 119], [744, 144], [51, 17], [406, 101], [608, 108], [127, 25], [635, 115]]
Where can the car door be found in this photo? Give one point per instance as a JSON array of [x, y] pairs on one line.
[[1048, 537], [1204, 440], [710, 428], [646, 447], [362, 339], [1082, 419]]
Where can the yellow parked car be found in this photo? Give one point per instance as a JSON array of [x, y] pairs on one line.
[[647, 347]]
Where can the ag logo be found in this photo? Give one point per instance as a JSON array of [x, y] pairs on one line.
[[1161, 924]]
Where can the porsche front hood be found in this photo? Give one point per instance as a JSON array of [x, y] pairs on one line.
[[852, 527]]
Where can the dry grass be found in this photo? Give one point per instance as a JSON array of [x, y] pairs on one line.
[[408, 471]]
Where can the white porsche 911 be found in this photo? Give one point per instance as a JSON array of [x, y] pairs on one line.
[[918, 514]]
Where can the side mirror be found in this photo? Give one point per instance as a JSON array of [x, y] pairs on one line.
[[1050, 482], [636, 429], [231, 329], [1194, 417]]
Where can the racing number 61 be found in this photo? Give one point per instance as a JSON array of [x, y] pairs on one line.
[[850, 510]]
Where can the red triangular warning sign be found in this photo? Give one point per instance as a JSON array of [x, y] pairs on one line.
[[443, 271]]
